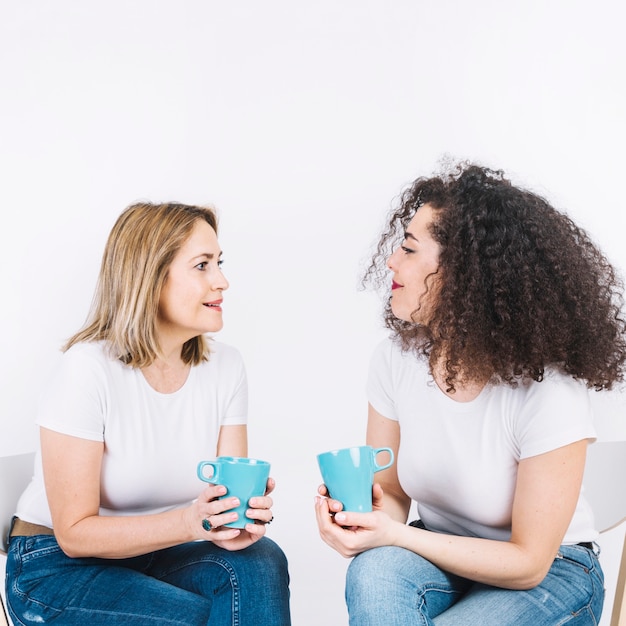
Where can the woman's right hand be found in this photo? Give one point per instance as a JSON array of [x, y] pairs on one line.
[[207, 516], [334, 506], [352, 533]]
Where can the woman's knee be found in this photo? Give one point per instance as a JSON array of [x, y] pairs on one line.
[[413, 582], [376, 568], [270, 558]]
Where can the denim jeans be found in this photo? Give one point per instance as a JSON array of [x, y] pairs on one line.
[[195, 583], [391, 586]]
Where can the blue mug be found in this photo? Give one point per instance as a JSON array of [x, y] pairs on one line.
[[348, 474], [243, 478]]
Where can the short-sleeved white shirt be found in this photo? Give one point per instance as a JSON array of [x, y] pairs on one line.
[[153, 441], [459, 460]]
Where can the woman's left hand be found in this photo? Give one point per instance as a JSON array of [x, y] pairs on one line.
[[260, 510], [352, 533]]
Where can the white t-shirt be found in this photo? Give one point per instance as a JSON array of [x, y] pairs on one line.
[[153, 441], [459, 460]]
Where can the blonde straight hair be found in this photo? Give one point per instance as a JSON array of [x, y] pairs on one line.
[[134, 268]]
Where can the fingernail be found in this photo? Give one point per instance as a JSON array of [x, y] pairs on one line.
[[340, 517]]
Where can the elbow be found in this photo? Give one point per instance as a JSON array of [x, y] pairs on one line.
[[70, 546], [69, 550], [529, 578], [525, 584], [77, 539]]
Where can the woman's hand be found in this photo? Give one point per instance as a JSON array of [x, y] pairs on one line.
[[218, 513], [352, 533]]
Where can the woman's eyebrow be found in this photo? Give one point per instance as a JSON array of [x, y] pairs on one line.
[[408, 235], [209, 255]]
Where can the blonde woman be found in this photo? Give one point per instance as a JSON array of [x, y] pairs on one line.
[[115, 527]]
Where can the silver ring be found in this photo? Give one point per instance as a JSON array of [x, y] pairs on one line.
[[206, 524]]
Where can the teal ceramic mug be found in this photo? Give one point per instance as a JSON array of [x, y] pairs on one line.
[[243, 478], [348, 474]]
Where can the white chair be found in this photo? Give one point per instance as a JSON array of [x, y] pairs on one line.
[[15, 473], [605, 488]]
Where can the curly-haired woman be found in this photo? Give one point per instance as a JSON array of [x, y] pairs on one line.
[[503, 316]]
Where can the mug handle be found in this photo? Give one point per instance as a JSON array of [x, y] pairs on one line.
[[200, 471], [378, 467]]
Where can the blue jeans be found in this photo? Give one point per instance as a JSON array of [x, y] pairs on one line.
[[192, 584], [392, 586]]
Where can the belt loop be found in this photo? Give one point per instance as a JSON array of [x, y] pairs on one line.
[[596, 548], [8, 537]]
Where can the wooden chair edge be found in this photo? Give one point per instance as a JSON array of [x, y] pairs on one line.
[[618, 616], [4, 619]]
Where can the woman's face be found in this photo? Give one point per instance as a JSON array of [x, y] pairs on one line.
[[413, 264], [191, 298]]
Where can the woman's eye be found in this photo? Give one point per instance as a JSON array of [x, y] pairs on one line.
[[203, 265], [407, 250]]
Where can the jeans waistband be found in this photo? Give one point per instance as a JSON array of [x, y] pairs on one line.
[[20, 528]]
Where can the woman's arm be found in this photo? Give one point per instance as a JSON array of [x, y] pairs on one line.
[[383, 432], [72, 477], [546, 494], [233, 441]]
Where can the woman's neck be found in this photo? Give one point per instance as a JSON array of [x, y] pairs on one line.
[[465, 389], [166, 376]]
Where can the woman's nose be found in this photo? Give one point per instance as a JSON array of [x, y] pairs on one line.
[[391, 261], [221, 282]]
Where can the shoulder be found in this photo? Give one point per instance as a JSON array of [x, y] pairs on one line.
[[224, 359], [86, 350], [556, 394], [393, 370], [558, 388], [220, 352], [387, 350], [388, 355], [553, 412], [89, 355], [90, 365]]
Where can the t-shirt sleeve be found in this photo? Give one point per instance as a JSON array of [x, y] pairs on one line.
[[75, 398], [557, 412], [379, 386]]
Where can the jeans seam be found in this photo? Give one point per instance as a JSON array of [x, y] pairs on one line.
[[232, 576], [592, 571]]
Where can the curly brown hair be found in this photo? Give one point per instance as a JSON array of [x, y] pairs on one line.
[[520, 286]]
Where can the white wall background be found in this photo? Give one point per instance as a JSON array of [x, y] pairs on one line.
[[300, 122]]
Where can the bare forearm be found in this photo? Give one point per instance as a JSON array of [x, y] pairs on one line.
[[396, 506], [497, 563], [123, 537]]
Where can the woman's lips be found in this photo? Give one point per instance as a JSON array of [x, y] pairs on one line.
[[216, 304], [395, 285]]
